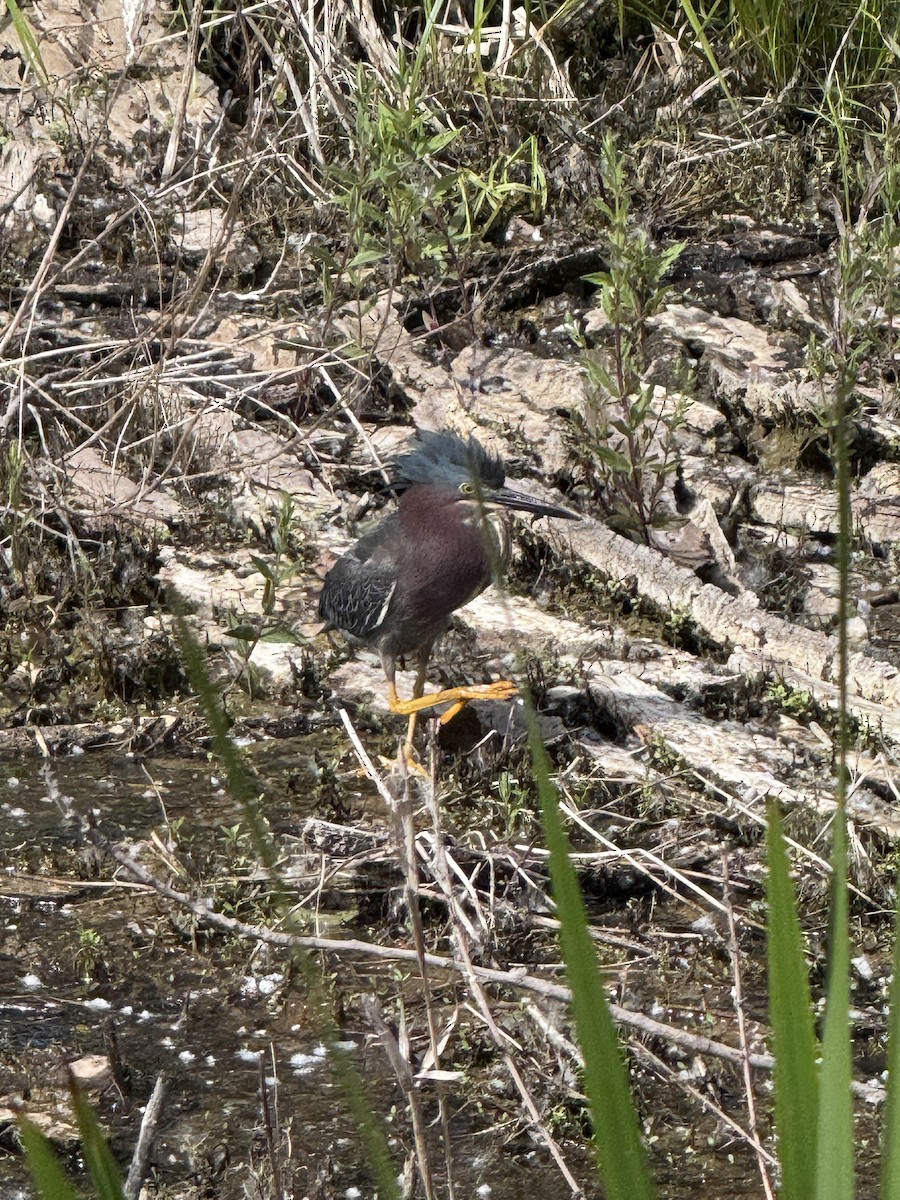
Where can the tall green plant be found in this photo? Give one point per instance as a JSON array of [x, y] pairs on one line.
[[793, 1031], [890, 1169], [818, 1160], [631, 433], [408, 201]]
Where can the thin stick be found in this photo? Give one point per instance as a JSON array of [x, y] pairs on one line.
[[141, 1157], [763, 1159], [269, 1125], [441, 873], [407, 1082], [664, 1070]]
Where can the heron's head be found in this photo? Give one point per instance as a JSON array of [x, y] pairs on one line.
[[466, 471]]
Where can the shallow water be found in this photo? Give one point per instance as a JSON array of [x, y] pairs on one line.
[[90, 961]]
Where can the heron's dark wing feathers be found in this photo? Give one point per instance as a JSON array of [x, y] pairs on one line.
[[358, 589]]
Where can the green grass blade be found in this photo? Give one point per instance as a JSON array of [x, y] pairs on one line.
[[616, 1128], [697, 26], [243, 788], [793, 1029], [28, 41], [240, 781], [834, 1174], [98, 1158], [49, 1178], [425, 49], [890, 1167]]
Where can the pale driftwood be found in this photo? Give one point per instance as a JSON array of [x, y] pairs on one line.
[[807, 508], [738, 621], [755, 763]]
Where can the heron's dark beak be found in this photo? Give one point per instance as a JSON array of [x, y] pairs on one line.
[[518, 500]]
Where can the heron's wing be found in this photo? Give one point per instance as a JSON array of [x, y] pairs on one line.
[[359, 587]]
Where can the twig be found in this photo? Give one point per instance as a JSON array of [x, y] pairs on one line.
[[407, 1081], [399, 815], [187, 79], [663, 1069], [269, 1123], [141, 1157], [441, 871], [763, 1159], [33, 291]]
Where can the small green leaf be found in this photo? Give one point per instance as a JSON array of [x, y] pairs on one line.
[[612, 458], [243, 633], [263, 567], [364, 257], [282, 636]]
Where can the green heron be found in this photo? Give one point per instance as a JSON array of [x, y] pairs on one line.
[[398, 587]]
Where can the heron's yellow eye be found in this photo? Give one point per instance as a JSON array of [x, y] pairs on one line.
[[467, 489]]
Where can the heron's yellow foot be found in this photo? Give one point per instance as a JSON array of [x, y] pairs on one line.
[[411, 761], [406, 761], [503, 689]]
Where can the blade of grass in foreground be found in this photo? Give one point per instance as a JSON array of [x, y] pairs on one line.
[[793, 1030], [242, 788], [890, 1139], [98, 1158], [616, 1129], [834, 1174], [49, 1179], [28, 41], [240, 783], [834, 1168]]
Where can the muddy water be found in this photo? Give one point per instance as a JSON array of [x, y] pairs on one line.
[[81, 960], [91, 964]]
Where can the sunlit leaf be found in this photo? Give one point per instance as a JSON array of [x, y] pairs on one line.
[[793, 1030]]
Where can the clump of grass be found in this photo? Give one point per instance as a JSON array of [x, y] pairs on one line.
[[410, 202], [782, 46]]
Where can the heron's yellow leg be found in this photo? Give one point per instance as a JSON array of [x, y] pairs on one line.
[[453, 711], [418, 689], [503, 689]]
